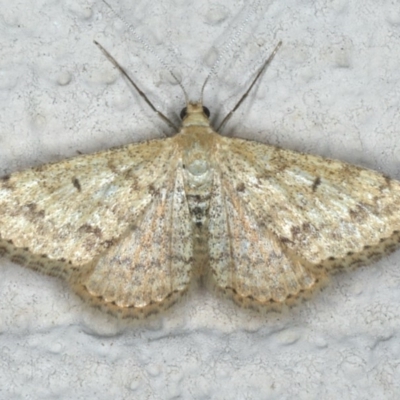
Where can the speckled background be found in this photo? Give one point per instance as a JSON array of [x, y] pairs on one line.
[[333, 89]]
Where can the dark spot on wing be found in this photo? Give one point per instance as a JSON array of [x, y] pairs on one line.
[[241, 187], [32, 207], [90, 229], [387, 180], [34, 211], [358, 214], [108, 243], [6, 182], [295, 230], [77, 184], [284, 240], [316, 183]]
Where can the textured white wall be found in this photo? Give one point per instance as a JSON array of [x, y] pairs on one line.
[[333, 89]]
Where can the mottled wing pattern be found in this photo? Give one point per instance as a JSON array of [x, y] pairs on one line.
[[63, 218], [247, 260], [301, 212], [150, 266]]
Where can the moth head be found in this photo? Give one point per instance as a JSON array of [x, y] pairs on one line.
[[195, 114]]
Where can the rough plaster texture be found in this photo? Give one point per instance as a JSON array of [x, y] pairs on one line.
[[333, 89]]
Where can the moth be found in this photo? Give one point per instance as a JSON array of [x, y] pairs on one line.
[[129, 228]]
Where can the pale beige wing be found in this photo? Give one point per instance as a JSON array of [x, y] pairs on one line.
[[61, 218], [115, 224], [149, 268], [296, 212], [247, 261]]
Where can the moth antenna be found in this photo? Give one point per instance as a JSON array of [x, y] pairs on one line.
[[260, 71], [181, 86], [141, 93], [203, 87], [148, 47]]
